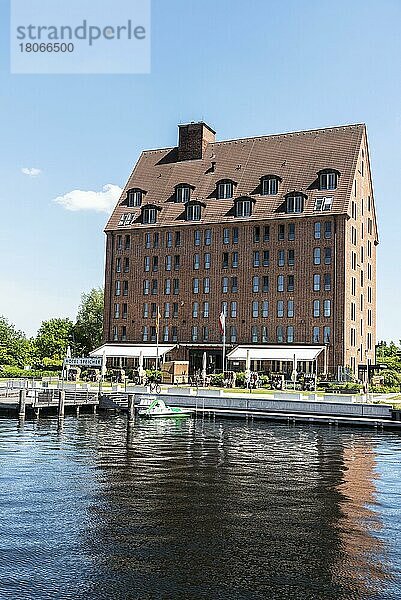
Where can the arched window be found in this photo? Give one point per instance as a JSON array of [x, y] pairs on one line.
[[328, 179], [243, 207], [295, 202], [193, 211], [134, 197], [149, 214], [183, 192], [270, 185], [225, 189]]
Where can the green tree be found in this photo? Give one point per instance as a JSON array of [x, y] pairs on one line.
[[88, 330], [53, 338], [15, 348]]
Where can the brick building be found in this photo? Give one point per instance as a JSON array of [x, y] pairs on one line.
[[278, 231]]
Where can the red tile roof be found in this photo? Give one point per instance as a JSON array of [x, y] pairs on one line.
[[294, 157]]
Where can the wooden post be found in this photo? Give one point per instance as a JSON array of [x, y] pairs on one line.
[[131, 408], [94, 409], [22, 403], [61, 402], [77, 411]]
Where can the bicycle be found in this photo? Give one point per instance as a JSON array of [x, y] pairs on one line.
[[154, 385]]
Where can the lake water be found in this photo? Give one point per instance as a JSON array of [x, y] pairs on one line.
[[198, 510]]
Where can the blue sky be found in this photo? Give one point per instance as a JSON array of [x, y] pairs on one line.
[[247, 68]]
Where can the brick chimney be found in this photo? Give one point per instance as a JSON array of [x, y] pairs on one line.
[[193, 139]]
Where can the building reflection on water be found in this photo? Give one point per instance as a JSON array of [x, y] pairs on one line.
[[226, 510]]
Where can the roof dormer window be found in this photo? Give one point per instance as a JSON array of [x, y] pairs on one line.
[[270, 185], [328, 179], [295, 202], [243, 207], [149, 214], [225, 189], [183, 192], [134, 198], [193, 211]]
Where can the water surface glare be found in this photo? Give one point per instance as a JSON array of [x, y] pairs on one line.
[[198, 509]]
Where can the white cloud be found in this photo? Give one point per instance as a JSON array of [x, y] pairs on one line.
[[31, 172], [103, 201]]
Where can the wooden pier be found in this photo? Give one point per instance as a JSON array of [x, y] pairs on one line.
[[27, 402]]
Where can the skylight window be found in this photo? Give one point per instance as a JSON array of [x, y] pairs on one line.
[[323, 204]]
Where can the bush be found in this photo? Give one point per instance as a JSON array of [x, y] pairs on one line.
[[217, 380], [11, 372]]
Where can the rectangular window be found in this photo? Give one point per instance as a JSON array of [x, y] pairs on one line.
[[281, 232], [280, 308], [147, 240], [327, 230], [205, 310], [195, 285], [125, 288], [195, 309], [174, 334], [118, 264], [316, 283], [225, 285], [235, 235], [154, 287], [177, 239], [208, 237], [316, 335], [147, 263], [327, 308], [255, 309], [126, 264], [169, 239], [175, 310], [155, 264], [353, 286], [207, 260], [256, 234], [317, 231], [205, 333], [194, 333], [316, 256], [265, 337], [353, 260], [290, 283], [233, 310], [226, 236], [127, 244], [234, 285], [206, 285], [353, 311], [327, 282], [152, 333], [266, 258], [265, 285], [117, 311], [291, 258], [145, 334], [168, 263], [235, 260], [255, 337], [280, 334], [290, 334], [146, 287], [224, 306], [256, 259], [326, 335], [165, 333], [176, 286], [119, 242], [167, 310], [323, 204], [255, 284], [167, 287], [156, 239], [176, 262], [197, 238], [125, 310], [281, 259], [266, 233], [153, 310], [291, 232], [115, 333], [233, 334], [316, 308], [265, 309], [225, 260], [196, 262], [290, 308], [280, 283], [327, 256]]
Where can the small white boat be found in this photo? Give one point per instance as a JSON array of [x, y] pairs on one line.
[[157, 408]]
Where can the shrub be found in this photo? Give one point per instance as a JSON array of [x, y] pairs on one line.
[[11, 372], [217, 380]]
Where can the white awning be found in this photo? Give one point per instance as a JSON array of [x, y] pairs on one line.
[[130, 351], [284, 353]]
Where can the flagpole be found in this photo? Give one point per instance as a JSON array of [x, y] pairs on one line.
[[224, 348], [157, 339]]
